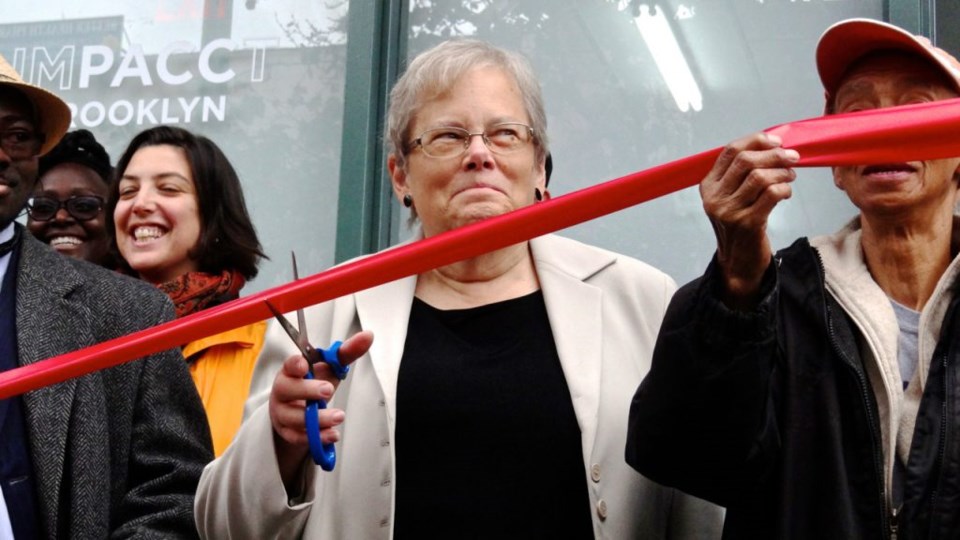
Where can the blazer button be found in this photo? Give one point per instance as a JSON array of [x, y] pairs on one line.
[[602, 509], [595, 472]]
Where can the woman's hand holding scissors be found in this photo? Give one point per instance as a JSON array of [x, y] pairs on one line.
[[289, 397]]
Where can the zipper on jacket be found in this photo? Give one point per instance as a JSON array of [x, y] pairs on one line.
[[894, 522], [885, 511], [941, 452], [874, 428]]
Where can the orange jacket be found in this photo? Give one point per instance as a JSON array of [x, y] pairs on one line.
[[222, 374]]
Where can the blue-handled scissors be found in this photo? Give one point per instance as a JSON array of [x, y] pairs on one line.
[[324, 455]]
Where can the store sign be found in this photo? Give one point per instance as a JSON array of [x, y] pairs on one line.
[[106, 84]]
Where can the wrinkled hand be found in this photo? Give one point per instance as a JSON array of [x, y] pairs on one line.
[[288, 400], [747, 181]]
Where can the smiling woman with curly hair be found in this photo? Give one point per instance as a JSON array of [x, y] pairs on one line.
[[66, 210]]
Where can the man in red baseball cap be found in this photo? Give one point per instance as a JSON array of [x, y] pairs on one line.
[[815, 392]]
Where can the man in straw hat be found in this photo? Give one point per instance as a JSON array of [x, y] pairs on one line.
[[114, 453], [816, 392]]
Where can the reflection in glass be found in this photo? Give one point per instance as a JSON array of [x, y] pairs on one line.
[[263, 79], [619, 100]]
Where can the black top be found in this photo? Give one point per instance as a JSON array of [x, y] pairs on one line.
[[488, 445]]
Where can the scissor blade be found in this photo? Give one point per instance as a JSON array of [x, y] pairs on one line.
[[301, 320], [290, 330]]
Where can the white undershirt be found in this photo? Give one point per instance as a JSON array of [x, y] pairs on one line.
[[908, 341], [6, 531]]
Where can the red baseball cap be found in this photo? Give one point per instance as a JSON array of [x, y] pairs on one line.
[[847, 41]]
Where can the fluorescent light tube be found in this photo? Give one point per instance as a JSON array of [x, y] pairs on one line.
[[656, 33]]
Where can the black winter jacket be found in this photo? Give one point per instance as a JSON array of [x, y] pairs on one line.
[[771, 414]]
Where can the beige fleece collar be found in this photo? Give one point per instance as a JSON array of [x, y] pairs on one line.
[[849, 281]]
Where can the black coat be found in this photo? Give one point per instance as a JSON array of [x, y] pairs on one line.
[[771, 414], [119, 452]]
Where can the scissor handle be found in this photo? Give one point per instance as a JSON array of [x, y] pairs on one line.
[[331, 357], [324, 454]]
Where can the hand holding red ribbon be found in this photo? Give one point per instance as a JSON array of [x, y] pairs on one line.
[[908, 133]]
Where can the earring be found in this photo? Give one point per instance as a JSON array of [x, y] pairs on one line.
[[537, 194], [408, 200]]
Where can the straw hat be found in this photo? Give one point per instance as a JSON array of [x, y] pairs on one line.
[[53, 115]]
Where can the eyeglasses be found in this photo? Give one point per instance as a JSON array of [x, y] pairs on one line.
[[81, 207], [446, 142], [19, 143]]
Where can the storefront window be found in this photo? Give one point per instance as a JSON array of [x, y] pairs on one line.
[[630, 85], [264, 80]]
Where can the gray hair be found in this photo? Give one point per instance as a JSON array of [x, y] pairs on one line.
[[434, 71]]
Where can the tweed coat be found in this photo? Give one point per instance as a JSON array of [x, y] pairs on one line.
[[116, 453]]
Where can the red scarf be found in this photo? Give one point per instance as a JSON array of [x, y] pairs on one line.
[[195, 291]]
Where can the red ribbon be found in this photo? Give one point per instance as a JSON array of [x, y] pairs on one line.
[[908, 133]]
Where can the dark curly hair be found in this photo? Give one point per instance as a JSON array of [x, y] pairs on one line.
[[228, 240], [79, 147]]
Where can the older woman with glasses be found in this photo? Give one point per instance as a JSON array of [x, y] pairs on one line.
[[66, 210], [494, 401]]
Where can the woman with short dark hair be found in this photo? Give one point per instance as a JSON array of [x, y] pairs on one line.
[[180, 222]]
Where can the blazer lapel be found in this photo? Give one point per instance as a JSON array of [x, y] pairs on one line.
[[48, 324], [573, 306], [574, 309], [386, 311]]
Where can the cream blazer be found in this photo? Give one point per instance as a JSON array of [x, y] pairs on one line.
[[605, 310]]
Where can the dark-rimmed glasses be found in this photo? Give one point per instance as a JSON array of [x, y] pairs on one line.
[[448, 142], [20, 143], [81, 207]]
